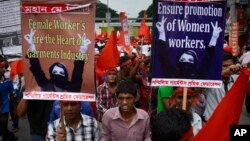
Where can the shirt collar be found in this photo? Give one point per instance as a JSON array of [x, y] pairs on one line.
[[119, 116], [83, 121]]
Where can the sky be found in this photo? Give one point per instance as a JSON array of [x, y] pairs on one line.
[[130, 7]]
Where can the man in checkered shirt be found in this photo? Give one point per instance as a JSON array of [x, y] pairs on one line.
[[78, 127]]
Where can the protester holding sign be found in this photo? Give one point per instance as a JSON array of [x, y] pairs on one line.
[[7, 102], [214, 96], [39, 111], [79, 127], [178, 101]]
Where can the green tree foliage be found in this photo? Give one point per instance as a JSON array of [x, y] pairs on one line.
[[101, 10], [149, 12]]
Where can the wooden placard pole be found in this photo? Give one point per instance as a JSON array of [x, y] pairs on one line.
[[184, 99], [62, 119]]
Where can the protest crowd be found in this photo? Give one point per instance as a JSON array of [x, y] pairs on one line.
[[126, 106]]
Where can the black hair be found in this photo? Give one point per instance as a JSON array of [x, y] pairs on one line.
[[228, 56], [60, 65], [171, 124], [124, 59], [126, 86], [247, 48], [4, 59]]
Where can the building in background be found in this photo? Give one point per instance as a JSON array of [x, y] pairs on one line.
[[10, 28]]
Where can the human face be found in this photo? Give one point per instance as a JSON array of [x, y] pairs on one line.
[[126, 102], [111, 77], [58, 71], [179, 99], [71, 109], [187, 58]]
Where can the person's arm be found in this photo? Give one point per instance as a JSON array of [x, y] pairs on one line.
[[135, 69], [13, 106], [76, 80], [210, 51], [97, 131], [147, 133], [99, 100], [106, 131], [35, 66], [55, 135], [163, 50], [230, 70], [22, 107], [39, 75]]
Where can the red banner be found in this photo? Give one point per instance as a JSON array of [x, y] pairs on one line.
[[126, 38], [51, 8]]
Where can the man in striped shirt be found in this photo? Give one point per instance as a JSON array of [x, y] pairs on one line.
[[78, 127], [105, 95]]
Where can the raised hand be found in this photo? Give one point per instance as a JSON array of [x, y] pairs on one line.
[[216, 29], [85, 43], [215, 34], [29, 39], [161, 29]]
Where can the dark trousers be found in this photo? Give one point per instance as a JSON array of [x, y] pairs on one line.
[[6, 134]]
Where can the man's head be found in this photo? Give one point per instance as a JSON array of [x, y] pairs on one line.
[[125, 64], [187, 64], [171, 124], [228, 60], [71, 109], [178, 97], [112, 75], [126, 93], [3, 62], [59, 74]]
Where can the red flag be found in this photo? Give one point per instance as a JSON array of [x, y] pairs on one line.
[[16, 68], [109, 57], [144, 30], [227, 113]]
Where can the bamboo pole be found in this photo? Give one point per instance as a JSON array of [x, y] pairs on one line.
[[184, 99], [62, 119]]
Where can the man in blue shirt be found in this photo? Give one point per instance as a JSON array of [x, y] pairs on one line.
[[55, 112], [6, 99]]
